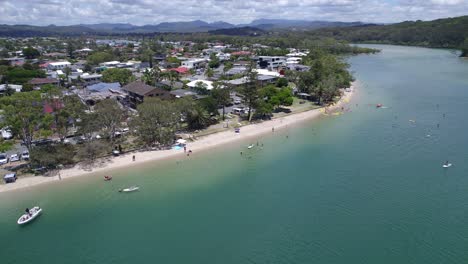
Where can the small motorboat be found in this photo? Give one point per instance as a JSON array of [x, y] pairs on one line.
[[107, 178], [30, 215], [250, 146], [130, 189], [379, 105], [447, 165]]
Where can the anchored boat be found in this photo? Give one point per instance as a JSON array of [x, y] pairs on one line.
[[30, 215]]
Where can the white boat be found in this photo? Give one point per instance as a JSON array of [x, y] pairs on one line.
[[130, 189], [250, 146], [30, 215], [448, 165]]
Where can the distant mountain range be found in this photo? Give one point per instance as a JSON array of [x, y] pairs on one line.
[[166, 27]]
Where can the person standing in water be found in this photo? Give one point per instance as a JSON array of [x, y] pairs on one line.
[[133, 158]]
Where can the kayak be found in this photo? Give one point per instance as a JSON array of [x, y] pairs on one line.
[[28, 217], [130, 189]]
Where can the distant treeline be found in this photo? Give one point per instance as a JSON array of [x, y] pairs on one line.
[[440, 33]]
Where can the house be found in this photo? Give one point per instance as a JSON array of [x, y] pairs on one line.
[[17, 88], [298, 67], [236, 71], [86, 79], [271, 62], [137, 91], [208, 84], [100, 91], [15, 61], [53, 66], [194, 63], [39, 82], [181, 70], [223, 56]]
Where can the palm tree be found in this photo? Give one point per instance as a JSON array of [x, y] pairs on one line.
[[198, 117]]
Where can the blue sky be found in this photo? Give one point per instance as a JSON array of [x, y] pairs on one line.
[[140, 12]]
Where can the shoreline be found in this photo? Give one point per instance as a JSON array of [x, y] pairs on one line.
[[201, 144]]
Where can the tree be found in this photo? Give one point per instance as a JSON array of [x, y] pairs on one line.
[[50, 156], [222, 96], [198, 117], [156, 122], [209, 73], [110, 116], [464, 48], [123, 76], [31, 53], [214, 61], [99, 57], [227, 66], [18, 75], [250, 91], [66, 109], [24, 114], [70, 50], [91, 150], [282, 82], [201, 88]]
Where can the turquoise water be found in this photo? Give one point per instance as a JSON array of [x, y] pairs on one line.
[[364, 187]]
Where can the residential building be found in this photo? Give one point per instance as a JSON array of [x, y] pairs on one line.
[[53, 66], [271, 62], [138, 91], [100, 91], [85, 79], [39, 82], [207, 84], [3, 87], [194, 63]]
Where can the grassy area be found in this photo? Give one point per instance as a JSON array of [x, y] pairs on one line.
[[6, 145]]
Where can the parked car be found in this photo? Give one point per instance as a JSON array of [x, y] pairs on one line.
[[3, 158], [9, 178], [237, 101], [25, 155], [6, 133], [14, 157]]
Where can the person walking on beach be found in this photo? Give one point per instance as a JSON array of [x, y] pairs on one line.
[[273, 129], [185, 149], [133, 158]]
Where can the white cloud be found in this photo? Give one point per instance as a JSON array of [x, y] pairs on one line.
[[140, 12]]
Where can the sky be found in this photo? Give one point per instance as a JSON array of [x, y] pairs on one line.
[[142, 12]]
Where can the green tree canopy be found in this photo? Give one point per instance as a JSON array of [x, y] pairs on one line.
[[123, 76]]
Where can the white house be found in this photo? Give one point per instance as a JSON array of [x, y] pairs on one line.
[[53, 66], [208, 84], [223, 56], [293, 60], [194, 63]]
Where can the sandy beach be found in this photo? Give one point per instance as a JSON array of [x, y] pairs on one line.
[[201, 144]]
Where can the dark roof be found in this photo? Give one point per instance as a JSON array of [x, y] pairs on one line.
[[142, 89], [175, 85], [39, 81]]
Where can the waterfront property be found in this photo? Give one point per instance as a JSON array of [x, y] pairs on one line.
[[137, 91]]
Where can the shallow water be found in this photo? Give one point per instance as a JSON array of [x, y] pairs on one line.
[[364, 187]]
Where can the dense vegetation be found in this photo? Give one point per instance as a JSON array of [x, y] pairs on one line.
[[440, 33]]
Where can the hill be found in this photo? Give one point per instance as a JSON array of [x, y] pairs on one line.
[[165, 27], [440, 33], [239, 31]]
